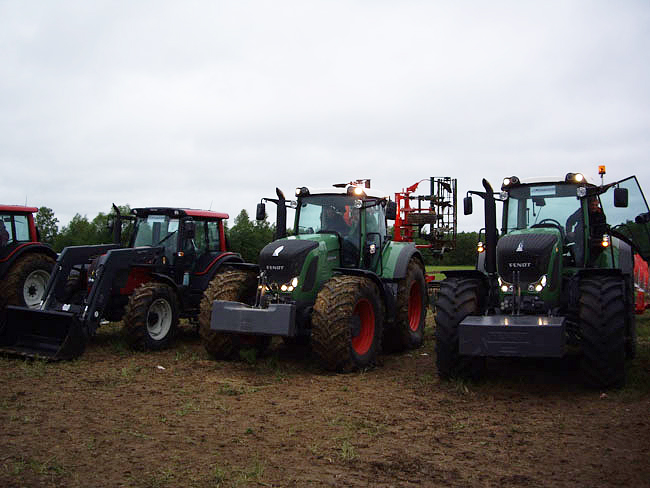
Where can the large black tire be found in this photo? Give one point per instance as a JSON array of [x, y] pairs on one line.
[[457, 298], [602, 329], [24, 284], [151, 316], [233, 286], [347, 324], [407, 329]]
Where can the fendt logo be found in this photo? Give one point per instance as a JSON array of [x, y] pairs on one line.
[[520, 247], [274, 268], [278, 251], [520, 265]]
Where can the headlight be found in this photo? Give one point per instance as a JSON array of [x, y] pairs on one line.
[[480, 248], [356, 191], [539, 285], [574, 178], [509, 181], [289, 287], [505, 287]]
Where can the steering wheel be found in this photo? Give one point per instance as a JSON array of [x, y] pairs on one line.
[[551, 223]]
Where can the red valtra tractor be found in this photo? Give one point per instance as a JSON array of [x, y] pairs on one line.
[[160, 277], [25, 263]]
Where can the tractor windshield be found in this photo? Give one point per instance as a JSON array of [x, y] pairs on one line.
[[544, 205], [156, 230], [332, 213], [328, 213]]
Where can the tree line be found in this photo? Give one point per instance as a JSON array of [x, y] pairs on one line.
[[246, 237]]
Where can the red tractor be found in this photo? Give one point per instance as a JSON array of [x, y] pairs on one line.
[[149, 285], [25, 263]]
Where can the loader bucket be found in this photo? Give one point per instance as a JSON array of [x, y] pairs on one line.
[[39, 334]]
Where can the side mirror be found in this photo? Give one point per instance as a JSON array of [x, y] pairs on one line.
[[620, 197], [260, 213], [467, 206], [190, 229], [391, 210]]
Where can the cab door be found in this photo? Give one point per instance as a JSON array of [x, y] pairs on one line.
[[631, 222]]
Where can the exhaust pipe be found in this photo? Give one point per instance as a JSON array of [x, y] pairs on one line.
[[281, 219], [490, 229]]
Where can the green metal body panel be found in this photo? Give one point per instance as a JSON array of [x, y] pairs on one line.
[[328, 256], [392, 259]]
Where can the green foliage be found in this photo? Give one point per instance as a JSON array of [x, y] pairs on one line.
[[82, 232], [46, 224], [463, 254], [465, 251], [248, 238]]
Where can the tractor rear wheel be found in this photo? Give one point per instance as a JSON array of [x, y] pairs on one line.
[[602, 329], [347, 324], [151, 316], [24, 285], [407, 331], [234, 286], [457, 298]]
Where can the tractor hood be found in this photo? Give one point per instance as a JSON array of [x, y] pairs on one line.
[[283, 259], [527, 253]]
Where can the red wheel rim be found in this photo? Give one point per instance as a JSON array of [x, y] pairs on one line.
[[362, 342], [415, 306]]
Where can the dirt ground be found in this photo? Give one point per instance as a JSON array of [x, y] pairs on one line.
[[175, 418]]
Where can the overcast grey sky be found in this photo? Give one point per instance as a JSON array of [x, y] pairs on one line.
[[215, 103]]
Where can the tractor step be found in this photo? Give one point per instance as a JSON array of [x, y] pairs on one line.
[[39, 334], [512, 335]]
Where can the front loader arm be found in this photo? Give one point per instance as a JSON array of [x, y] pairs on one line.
[[108, 267], [70, 257]]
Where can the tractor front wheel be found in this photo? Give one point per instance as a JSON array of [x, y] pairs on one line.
[[232, 286], [407, 331], [457, 298], [24, 284], [602, 329], [151, 316], [347, 324]]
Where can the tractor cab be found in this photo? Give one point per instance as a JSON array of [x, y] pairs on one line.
[[581, 214], [191, 239], [356, 216]]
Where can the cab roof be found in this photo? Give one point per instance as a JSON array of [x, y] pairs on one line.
[[179, 212], [550, 179], [17, 209], [333, 190]]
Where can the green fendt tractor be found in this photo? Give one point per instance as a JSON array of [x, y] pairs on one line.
[[560, 274], [339, 283]]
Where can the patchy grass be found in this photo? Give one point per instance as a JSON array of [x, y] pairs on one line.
[[638, 369]]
